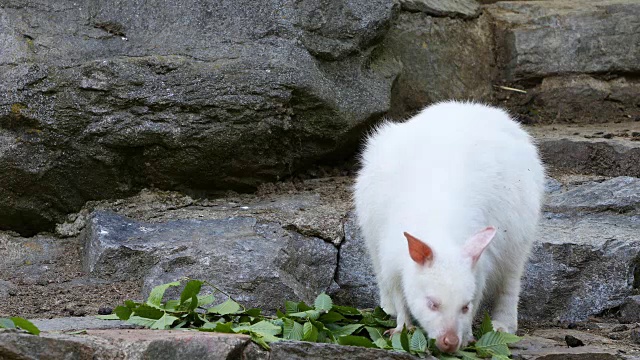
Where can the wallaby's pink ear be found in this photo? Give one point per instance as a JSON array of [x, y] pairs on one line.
[[478, 242], [420, 252]]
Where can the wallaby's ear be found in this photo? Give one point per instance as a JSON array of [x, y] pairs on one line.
[[477, 243], [420, 252]]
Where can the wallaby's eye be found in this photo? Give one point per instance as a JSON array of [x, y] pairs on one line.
[[465, 309], [432, 304]]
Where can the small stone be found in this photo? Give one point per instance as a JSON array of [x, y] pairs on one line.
[[620, 328], [607, 136], [635, 336], [104, 310], [572, 325], [630, 310], [572, 341]]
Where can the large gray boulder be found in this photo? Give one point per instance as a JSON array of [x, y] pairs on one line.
[[174, 345], [577, 60], [543, 38], [442, 58], [581, 267], [611, 150], [355, 277], [259, 263], [101, 98]]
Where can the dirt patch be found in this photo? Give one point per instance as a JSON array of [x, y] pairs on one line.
[[43, 278]]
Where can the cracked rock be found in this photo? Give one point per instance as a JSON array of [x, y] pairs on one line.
[[259, 263]]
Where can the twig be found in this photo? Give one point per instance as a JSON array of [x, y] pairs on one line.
[[510, 89]]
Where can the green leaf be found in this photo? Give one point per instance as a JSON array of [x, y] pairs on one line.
[[122, 312], [404, 339], [331, 317], [309, 314], [379, 313], [171, 305], [164, 322], [486, 325], [142, 321], [291, 307], [205, 299], [226, 308], [256, 338], [265, 327], [108, 317], [356, 341], [191, 291], [382, 343], [347, 329], [25, 325], [346, 310], [418, 341], [279, 314], [131, 304], [292, 330], [396, 342], [224, 328], [148, 312], [253, 312], [303, 307], [309, 332], [155, 297], [323, 303], [368, 319], [495, 343], [391, 323], [467, 355], [7, 323], [375, 333]]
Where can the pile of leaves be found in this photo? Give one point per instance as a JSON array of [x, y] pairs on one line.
[[322, 322], [19, 323]]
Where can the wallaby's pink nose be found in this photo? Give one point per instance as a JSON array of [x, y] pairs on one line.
[[448, 342]]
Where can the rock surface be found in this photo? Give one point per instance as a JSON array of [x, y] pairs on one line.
[[259, 263], [630, 310], [621, 194], [549, 344], [121, 97], [355, 276], [451, 8], [423, 44], [543, 38], [576, 60], [172, 345], [101, 99], [580, 267], [609, 150]]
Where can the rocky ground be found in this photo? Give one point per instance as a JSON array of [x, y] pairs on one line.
[[90, 111], [293, 239]]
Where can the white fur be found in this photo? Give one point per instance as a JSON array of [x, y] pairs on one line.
[[444, 175]]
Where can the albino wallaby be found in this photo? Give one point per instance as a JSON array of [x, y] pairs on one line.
[[448, 203]]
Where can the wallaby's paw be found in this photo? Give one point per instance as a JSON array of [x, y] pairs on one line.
[[398, 329], [498, 326]]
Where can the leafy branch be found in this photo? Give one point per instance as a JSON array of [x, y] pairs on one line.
[[19, 323], [323, 322]]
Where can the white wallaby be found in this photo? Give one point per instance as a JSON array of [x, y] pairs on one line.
[[448, 203]]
